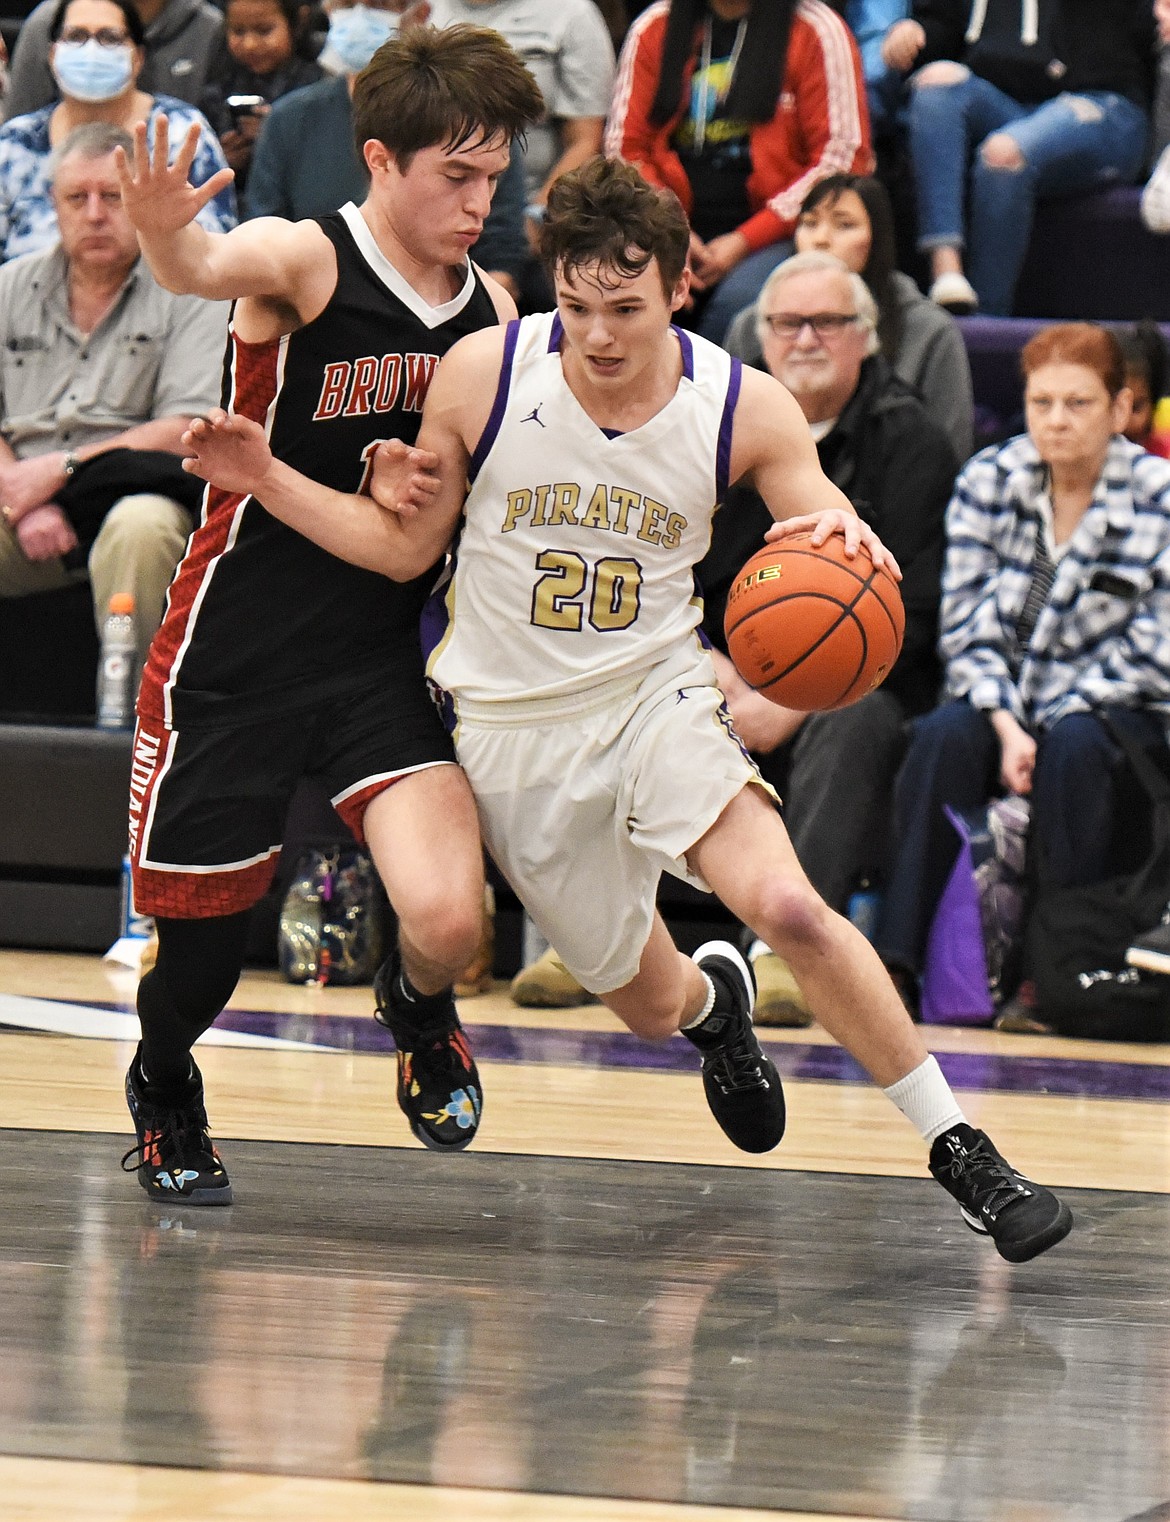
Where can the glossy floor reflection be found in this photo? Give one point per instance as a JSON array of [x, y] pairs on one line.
[[814, 1342]]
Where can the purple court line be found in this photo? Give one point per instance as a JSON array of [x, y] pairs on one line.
[[827, 1064]]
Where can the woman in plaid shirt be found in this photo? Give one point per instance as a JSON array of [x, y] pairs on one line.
[[1056, 608]]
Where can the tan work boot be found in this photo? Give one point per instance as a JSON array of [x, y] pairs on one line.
[[548, 984], [779, 1000]]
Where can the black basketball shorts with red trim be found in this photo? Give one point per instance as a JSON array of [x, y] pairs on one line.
[[208, 805]]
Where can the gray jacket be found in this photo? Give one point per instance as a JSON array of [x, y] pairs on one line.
[[180, 43]]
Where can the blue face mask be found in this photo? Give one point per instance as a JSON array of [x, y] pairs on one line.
[[356, 34], [87, 71]]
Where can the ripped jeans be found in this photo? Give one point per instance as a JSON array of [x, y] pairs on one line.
[[1069, 145]]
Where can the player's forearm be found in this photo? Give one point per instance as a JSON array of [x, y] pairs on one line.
[[354, 528], [182, 262]]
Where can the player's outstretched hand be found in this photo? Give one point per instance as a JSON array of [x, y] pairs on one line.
[[228, 450], [158, 196], [835, 520], [404, 478]]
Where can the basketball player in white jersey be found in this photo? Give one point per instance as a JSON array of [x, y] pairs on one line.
[[580, 454]]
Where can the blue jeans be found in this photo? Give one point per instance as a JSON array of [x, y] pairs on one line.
[[1070, 145], [739, 288], [1086, 805]]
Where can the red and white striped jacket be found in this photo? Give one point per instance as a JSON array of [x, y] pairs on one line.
[[821, 125]]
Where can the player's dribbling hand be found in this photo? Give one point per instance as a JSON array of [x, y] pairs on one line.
[[158, 196], [835, 520], [404, 478], [230, 451]]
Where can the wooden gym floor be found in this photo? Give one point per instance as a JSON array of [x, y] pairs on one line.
[[600, 1313]]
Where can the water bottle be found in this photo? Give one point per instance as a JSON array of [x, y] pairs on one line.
[[116, 667], [864, 908]]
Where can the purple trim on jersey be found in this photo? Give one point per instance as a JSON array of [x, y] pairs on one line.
[[723, 448], [432, 626], [488, 437], [556, 334], [688, 351], [613, 433]]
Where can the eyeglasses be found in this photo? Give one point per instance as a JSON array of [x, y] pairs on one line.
[[823, 324], [107, 37]]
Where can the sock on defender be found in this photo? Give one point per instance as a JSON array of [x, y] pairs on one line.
[[420, 1009], [925, 1099]]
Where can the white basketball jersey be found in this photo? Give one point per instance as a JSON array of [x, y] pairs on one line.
[[576, 562]]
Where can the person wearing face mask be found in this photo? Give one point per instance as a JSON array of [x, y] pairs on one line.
[[96, 54], [306, 164], [180, 38]]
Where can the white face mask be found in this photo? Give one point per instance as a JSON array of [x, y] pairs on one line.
[[357, 32], [89, 72]]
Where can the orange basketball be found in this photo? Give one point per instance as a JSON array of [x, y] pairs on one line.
[[811, 629]]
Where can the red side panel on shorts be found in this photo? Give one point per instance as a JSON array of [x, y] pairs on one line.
[[255, 382], [353, 808], [200, 895]]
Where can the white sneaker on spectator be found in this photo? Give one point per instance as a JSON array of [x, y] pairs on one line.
[[954, 292], [1151, 951]]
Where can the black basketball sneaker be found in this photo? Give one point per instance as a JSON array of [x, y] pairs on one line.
[[740, 1080], [438, 1083], [173, 1156], [1021, 1218]]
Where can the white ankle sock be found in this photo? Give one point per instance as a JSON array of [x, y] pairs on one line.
[[925, 1099], [706, 1009]]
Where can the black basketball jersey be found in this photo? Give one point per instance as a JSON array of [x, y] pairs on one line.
[[259, 619]]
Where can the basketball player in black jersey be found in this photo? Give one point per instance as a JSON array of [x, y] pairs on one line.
[[275, 659]]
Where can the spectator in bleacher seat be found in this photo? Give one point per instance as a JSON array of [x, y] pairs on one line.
[[835, 771], [1011, 102], [101, 370], [96, 54], [739, 107], [178, 40], [851, 216], [1156, 196], [306, 163], [1056, 609], [268, 49], [1147, 366]]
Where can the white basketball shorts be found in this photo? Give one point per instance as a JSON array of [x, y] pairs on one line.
[[584, 804]]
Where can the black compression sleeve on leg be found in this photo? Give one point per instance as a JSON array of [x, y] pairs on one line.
[[198, 966]]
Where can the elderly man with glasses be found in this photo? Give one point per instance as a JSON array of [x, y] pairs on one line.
[[876, 442]]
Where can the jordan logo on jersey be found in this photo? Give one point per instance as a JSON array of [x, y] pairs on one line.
[[373, 383], [534, 416]]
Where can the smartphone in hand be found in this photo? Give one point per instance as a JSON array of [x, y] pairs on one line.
[[241, 106]]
